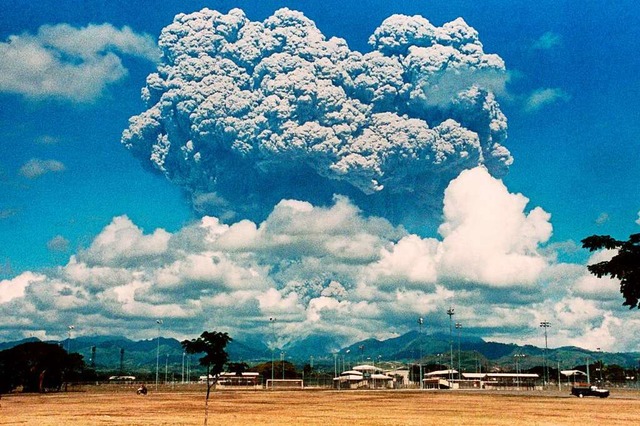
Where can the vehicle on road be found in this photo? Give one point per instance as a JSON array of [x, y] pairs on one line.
[[582, 391]]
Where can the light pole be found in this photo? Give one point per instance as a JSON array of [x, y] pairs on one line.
[[93, 357], [517, 357], [282, 360], [272, 320], [420, 323], [183, 354], [545, 325], [451, 313], [440, 359], [458, 327], [70, 329], [159, 323], [361, 347], [600, 363], [166, 368]]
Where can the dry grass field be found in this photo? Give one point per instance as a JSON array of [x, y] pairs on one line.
[[102, 406]]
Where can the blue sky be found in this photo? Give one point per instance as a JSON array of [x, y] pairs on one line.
[[568, 89]]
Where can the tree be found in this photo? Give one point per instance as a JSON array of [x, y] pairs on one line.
[[237, 367], [212, 344], [624, 266], [38, 367]]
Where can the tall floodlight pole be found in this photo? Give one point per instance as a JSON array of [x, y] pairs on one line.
[[166, 368], [458, 327], [93, 357], [545, 325], [183, 354], [69, 330], [158, 323], [518, 367], [282, 359], [517, 371], [600, 362], [451, 313], [420, 323], [272, 320]]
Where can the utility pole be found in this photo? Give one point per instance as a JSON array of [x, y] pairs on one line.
[[93, 357], [420, 323], [601, 363], [545, 325], [272, 320], [159, 323], [458, 327], [450, 312], [70, 328]]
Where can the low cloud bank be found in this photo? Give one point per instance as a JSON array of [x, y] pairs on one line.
[[326, 270]]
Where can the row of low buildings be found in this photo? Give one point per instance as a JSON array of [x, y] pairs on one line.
[[371, 377]]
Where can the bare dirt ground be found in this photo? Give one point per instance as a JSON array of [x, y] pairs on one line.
[[183, 406]]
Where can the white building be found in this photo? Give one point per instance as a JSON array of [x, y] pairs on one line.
[[363, 377]]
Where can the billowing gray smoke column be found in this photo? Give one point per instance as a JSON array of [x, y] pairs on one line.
[[243, 114]]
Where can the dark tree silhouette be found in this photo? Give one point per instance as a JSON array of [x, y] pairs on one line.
[[38, 367], [624, 266], [237, 367], [212, 344]]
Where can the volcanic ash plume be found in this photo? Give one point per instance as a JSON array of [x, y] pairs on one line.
[[243, 114]]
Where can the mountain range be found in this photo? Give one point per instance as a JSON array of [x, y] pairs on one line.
[[117, 354]]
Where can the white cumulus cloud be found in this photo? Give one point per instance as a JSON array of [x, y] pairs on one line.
[[488, 235], [122, 242], [14, 288], [65, 62], [58, 243], [36, 167], [542, 97], [325, 270]]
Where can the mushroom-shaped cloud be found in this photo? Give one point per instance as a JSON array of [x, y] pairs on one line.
[[243, 114]]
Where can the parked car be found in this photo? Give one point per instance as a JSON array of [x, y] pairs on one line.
[[581, 391]]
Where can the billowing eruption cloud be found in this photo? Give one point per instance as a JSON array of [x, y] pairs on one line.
[[243, 114]]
